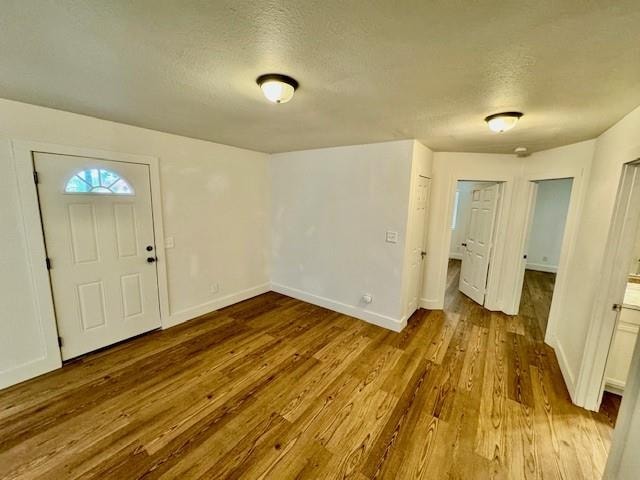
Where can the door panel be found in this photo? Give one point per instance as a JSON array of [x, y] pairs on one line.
[[475, 259], [84, 242], [98, 223], [125, 221]]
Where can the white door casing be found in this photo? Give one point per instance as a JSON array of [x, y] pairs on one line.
[[418, 240], [476, 257], [104, 288], [531, 206]]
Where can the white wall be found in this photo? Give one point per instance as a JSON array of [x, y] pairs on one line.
[[331, 208], [216, 206], [618, 145], [547, 229]]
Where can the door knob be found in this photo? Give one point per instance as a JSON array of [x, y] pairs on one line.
[[423, 253], [151, 259], [464, 244]]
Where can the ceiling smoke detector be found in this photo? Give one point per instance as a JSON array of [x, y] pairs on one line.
[[521, 151], [277, 88], [501, 122]]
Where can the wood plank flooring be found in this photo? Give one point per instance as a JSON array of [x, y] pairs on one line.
[[274, 388], [537, 293]]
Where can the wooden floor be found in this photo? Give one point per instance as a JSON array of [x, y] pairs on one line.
[[537, 292], [280, 389]]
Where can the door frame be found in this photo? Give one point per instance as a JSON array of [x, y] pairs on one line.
[[489, 287], [493, 299], [407, 281], [569, 241], [566, 249], [35, 243], [625, 225]]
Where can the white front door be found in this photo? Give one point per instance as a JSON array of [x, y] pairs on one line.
[[476, 256], [417, 246], [98, 229]]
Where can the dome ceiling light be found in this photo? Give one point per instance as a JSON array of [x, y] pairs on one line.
[[277, 88], [501, 122]]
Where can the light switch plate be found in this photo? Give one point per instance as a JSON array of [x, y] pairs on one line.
[[169, 243], [392, 237]]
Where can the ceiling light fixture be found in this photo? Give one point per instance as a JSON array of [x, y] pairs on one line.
[[277, 88], [501, 122]]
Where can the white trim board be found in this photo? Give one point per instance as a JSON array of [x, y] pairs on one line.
[[455, 256], [428, 304], [614, 386], [541, 267], [569, 378], [366, 315], [182, 316]]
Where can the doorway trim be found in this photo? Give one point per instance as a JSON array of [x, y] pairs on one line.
[[493, 299], [576, 201], [36, 251], [568, 241], [602, 323]]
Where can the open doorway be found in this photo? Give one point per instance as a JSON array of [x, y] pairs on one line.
[[612, 358], [625, 336], [549, 207], [473, 224], [626, 312]]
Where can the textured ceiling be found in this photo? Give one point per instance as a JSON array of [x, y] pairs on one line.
[[369, 71]]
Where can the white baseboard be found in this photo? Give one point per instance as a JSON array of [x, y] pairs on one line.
[[614, 386], [455, 256], [31, 369], [541, 267], [431, 304], [359, 313], [208, 307], [567, 374]]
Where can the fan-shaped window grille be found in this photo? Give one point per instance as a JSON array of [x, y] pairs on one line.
[[98, 180]]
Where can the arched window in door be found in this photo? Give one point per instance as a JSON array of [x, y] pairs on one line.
[[100, 181]]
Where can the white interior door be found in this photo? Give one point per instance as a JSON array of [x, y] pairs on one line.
[[417, 246], [476, 256], [99, 237]]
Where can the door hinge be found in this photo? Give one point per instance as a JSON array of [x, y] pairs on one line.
[[35, 177], [60, 342], [48, 263], [616, 307]]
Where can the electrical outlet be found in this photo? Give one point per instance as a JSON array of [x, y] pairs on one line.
[[214, 288], [545, 259], [169, 242]]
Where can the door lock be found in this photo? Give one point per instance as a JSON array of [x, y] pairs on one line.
[[149, 248]]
